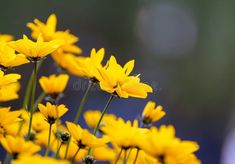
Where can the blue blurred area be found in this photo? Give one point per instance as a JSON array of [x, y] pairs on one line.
[[184, 49]]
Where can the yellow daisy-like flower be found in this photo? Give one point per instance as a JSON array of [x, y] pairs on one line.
[[17, 146], [83, 138], [7, 118], [124, 134], [87, 66], [116, 80], [52, 112], [35, 50], [37, 159], [8, 58], [152, 113], [54, 85], [92, 117], [6, 37], [9, 86], [163, 145]]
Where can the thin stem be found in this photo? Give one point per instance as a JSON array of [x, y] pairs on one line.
[[21, 123], [27, 93], [125, 159], [49, 140], [32, 97], [39, 100], [58, 151], [7, 159], [128, 155], [118, 157], [73, 159], [136, 156], [101, 117], [67, 149], [102, 114], [83, 101]]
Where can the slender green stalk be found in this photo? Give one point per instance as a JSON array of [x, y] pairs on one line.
[[58, 151], [49, 140], [83, 101], [73, 159], [67, 149], [7, 159], [39, 100], [27, 93], [125, 159], [118, 157], [136, 156], [21, 123], [32, 97], [102, 114]]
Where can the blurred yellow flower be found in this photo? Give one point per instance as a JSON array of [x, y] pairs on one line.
[[116, 80], [104, 153], [9, 86], [35, 50], [152, 113], [92, 117], [124, 134], [54, 85], [6, 37], [39, 124], [7, 118], [83, 138], [17, 146], [87, 66], [37, 159], [8, 58], [52, 112], [163, 145]]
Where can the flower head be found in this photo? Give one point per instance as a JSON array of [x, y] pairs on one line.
[[54, 85], [52, 112], [17, 145], [35, 50], [163, 145], [9, 86], [152, 113], [8, 58], [116, 80], [83, 138]]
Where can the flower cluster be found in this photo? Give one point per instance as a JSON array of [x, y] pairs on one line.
[[37, 134]]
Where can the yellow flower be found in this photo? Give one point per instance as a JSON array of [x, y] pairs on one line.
[[92, 117], [8, 58], [163, 145], [7, 118], [104, 153], [87, 66], [54, 85], [116, 80], [35, 50], [37, 159], [124, 134], [39, 124], [6, 37], [17, 146], [9, 86], [52, 112], [48, 32], [83, 138], [152, 113]]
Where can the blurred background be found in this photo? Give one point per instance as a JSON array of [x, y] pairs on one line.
[[183, 48]]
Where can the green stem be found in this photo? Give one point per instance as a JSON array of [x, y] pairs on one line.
[[39, 100], [7, 159], [125, 159], [67, 149], [49, 140], [118, 157], [83, 101], [102, 114], [137, 153], [58, 151], [21, 123], [101, 117], [32, 98], [73, 159]]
